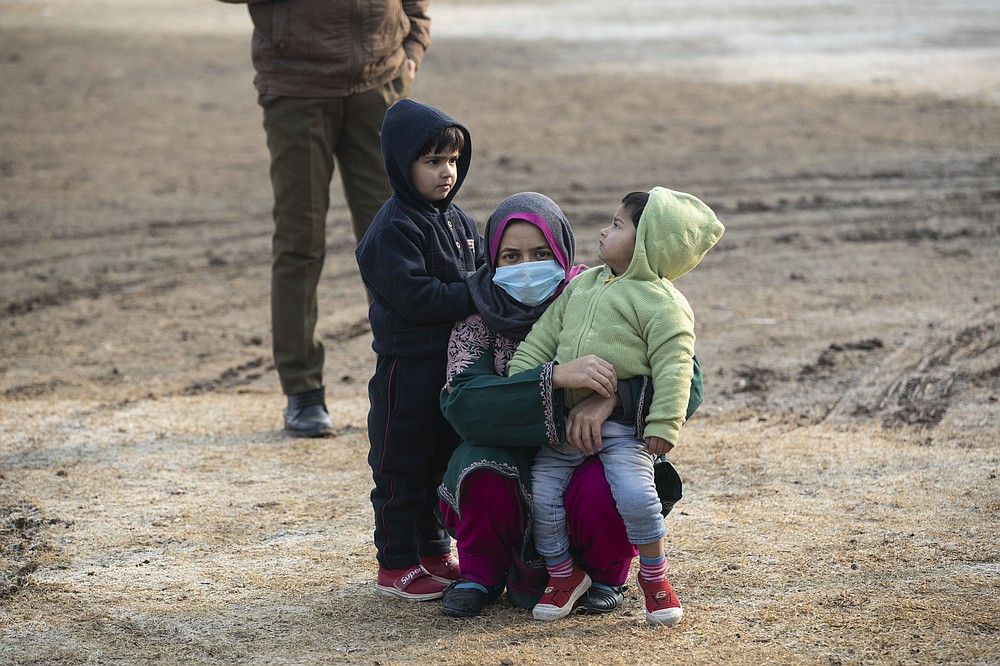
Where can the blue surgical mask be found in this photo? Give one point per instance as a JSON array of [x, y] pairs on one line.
[[530, 282]]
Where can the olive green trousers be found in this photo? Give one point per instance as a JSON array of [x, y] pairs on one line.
[[306, 138]]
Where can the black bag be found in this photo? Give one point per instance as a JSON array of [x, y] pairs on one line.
[[668, 485]]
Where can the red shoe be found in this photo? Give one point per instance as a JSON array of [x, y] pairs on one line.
[[662, 606], [558, 599], [412, 583], [443, 568]]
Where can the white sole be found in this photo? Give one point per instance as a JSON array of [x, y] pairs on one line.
[[389, 591], [668, 617]]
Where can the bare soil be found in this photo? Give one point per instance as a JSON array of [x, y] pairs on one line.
[[841, 495]]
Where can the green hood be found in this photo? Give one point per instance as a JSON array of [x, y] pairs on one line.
[[675, 231]]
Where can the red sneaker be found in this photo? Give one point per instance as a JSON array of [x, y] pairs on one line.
[[558, 599], [662, 606], [412, 583], [443, 568]]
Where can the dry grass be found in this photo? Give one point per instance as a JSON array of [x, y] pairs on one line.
[[154, 538]]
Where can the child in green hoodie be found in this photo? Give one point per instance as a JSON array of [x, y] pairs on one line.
[[628, 312]]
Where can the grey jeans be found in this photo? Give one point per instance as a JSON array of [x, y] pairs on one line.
[[629, 470], [305, 137]]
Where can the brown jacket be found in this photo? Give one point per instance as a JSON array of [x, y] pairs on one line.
[[334, 48]]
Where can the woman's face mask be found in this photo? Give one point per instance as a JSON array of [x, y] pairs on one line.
[[530, 282]]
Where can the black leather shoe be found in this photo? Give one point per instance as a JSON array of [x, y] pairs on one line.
[[603, 599], [306, 414], [466, 601]]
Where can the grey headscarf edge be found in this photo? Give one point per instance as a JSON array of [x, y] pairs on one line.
[[499, 311]]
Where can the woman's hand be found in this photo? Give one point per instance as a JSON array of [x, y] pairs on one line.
[[658, 445], [587, 372], [583, 424]]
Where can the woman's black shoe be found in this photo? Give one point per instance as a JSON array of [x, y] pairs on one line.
[[600, 599], [466, 601]]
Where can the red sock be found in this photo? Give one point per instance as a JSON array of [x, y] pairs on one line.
[[560, 567], [651, 568]]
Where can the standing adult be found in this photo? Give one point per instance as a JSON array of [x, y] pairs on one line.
[[327, 70]]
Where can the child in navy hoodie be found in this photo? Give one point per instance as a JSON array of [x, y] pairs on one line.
[[413, 260]]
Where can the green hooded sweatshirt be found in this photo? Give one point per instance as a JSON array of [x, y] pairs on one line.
[[638, 321]]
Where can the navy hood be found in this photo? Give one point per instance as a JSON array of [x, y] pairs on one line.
[[407, 128]]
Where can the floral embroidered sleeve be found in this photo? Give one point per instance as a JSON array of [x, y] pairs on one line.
[[487, 408]]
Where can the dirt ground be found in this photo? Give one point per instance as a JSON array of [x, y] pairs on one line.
[[841, 500]]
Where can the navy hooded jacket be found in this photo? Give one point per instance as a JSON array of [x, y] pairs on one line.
[[416, 253]]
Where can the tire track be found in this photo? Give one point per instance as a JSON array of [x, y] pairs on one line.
[[917, 384]]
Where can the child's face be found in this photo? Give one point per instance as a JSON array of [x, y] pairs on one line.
[[434, 174], [617, 242], [522, 241]]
